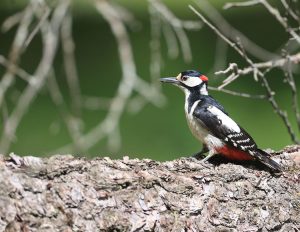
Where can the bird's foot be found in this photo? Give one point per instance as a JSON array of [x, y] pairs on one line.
[[210, 154], [199, 155]]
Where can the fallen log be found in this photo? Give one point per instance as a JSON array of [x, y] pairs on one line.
[[67, 193]]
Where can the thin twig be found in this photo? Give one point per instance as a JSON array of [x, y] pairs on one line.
[[281, 113], [292, 84], [269, 92], [68, 46], [283, 21], [230, 32], [294, 59], [219, 33], [290, 11], [246, 95], [72, 123], [178, 27], [11, 21], [172, 19], [229, 5], [43, 17], [127, 16], [18, 71], [16, 51], [155, 46]]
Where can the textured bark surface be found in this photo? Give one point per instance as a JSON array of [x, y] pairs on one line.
[[64, 193]]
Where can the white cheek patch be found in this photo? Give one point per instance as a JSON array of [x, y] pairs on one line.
[[226, 121], [192, 81]]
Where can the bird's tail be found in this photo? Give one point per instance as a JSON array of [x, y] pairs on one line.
[[265, 158]]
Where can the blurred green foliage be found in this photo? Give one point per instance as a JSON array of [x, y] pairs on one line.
[[158, 133]]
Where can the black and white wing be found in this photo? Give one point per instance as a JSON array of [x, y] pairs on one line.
[[223, 127]]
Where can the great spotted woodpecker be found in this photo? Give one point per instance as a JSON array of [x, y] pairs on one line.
[[211, 124]]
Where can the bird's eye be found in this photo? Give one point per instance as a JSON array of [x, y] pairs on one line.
[[184, 78]]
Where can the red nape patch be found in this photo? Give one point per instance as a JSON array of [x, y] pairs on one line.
[[204, 78], [234, 154]]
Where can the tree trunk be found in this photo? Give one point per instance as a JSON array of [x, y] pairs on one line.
[[66, 193]]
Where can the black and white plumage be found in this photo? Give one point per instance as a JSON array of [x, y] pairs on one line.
[[211, 124]]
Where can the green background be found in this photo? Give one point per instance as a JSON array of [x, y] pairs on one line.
[[157, 133]]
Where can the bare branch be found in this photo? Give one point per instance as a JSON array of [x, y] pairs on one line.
[[172, 45], [231, 33], [280, 63], [155, 46], [289, 10], [281, 113], [50, 44], [42, 17], [150, 93], [72, 123], [240, 4], [283, 21], [110, 123], [16, 51], [230, 92], [233, 67], [127, 16], [18, 71], [68, 46], [11, 21], [54, 22], [256, 72], [130, 81], [220, 34], [178, 27], [291, 81], [172, 19]]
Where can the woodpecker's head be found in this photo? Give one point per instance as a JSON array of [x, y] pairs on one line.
[[189, 81]]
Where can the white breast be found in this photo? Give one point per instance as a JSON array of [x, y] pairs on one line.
[[203, 135], [197, 130]]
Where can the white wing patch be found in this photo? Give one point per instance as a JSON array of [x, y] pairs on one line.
[[225, 120]]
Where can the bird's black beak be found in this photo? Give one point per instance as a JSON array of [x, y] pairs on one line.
[[170, 80]]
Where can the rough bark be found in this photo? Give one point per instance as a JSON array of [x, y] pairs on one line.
[[65, 193]]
